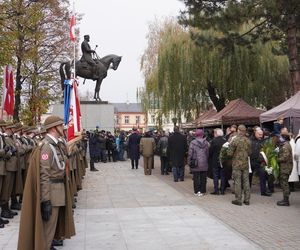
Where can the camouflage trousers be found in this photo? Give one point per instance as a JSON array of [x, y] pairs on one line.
[[241, 182], [284, 183]]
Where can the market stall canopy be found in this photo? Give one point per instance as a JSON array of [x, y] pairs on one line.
[[207, 115], [235, 112], [288, 109], [196, 123]]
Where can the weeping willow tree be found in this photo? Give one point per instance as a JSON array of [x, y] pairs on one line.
[[254, 73], [184, 78]]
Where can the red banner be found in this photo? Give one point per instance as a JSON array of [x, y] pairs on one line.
[[72, 28], [8, 91]]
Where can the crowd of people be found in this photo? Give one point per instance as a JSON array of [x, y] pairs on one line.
[[42, 173], [236, 154]]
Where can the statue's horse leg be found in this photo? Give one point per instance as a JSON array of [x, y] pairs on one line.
[[97, 89]]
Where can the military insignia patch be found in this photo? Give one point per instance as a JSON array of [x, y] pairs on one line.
[[45, 157]]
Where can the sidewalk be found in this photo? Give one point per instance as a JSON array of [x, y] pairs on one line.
[[120, 208], [263, 222]]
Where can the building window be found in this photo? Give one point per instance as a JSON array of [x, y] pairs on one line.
[[126, 119], [153, 119], [137, 119], [117, 119]]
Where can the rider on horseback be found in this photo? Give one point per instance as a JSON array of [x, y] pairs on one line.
[[87, 56]]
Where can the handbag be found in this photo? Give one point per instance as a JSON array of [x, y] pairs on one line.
[[192, 163]]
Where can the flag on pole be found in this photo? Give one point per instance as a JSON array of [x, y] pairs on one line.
[[72, 28], [8, 91], [72, 109]]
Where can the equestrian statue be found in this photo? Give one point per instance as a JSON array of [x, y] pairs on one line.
[[90, 66]]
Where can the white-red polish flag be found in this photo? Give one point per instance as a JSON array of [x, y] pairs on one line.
[[72, 28]]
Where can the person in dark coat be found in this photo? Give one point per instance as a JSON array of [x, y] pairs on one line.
[[177, 148], [198, 152], [122, 140], [111, 147], [214, 160], [93, 144], [102, 146], [134, 148]]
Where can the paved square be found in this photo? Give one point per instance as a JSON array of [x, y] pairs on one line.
[[121, 208]]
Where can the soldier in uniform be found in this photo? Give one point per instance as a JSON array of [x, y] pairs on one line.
[[52, 171], [11, 171], [4, 155], [46, 208], [87, 55], [285, 161], [240, 149], [21, 166]]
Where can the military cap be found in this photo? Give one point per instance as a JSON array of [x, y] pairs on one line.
[[52, 121], [29, 128], [14, 125], [18, 127], [43, 130], [86, 36], [9, 124], [242, 127], [2, 123]]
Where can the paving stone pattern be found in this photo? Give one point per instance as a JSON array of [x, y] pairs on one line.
[[121, 208]]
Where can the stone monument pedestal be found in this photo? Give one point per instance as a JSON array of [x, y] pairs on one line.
[[92, 114]]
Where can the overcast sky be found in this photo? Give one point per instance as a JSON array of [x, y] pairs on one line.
[[120, 27]]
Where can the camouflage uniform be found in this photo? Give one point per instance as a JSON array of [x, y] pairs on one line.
[[239, 149], [285, 160]]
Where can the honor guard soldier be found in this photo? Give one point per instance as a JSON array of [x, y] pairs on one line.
[[47, 212], [4, 155], [11, 172]]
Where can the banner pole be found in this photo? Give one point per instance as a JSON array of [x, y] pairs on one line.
[[74, 47]]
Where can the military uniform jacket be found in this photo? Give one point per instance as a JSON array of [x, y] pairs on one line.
[[285, 158], [2, 155], [239, 149], [52, 172], [11, 164]]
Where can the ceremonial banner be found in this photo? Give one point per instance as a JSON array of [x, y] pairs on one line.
[[8, 91], [72, 28], [72, 109]]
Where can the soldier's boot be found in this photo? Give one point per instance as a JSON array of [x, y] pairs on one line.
[[57, 243], [15, 205], [3, 221], [92, 167], [5, 213], [284, 202], [21, 199]]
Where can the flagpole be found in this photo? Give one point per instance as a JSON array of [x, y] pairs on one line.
[[74, 42]]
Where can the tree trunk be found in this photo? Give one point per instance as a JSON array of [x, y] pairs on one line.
[[293, 52], [217, 100]]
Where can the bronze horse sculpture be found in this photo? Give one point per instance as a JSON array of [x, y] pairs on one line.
[[84, 70]]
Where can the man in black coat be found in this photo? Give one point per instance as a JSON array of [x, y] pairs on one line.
[[177, 149], [93, 143], [134, 148], [255, 159], [214, 161]]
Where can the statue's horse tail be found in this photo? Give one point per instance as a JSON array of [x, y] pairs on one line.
[[65, 73]]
